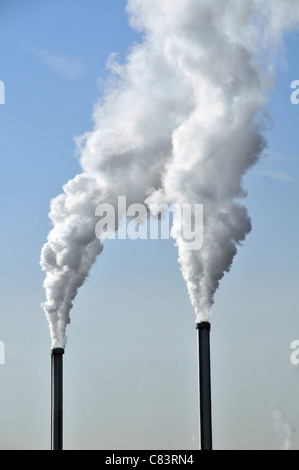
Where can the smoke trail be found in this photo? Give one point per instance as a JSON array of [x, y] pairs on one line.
[[177, 125], [282, 425]]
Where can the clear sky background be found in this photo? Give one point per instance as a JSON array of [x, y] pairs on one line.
[[130, 367]]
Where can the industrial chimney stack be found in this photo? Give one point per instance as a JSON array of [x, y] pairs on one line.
[[204, 370], [56, 398]]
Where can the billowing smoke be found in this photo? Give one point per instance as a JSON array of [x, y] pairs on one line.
[[180, 123], [283, 427]]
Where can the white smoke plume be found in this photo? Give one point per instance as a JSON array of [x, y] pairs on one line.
[[178, 124], [282, 425]]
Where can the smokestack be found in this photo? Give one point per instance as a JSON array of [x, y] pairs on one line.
[[204, 371], [56, 398]]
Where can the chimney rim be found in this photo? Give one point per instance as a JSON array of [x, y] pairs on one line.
[[57, 351]]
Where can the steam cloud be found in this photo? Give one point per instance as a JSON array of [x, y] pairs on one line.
[[282, 425], [178, 124]]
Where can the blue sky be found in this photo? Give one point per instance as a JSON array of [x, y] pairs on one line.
[[130, 364]]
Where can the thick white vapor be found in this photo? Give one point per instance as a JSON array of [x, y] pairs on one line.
[[282, 425], [178, 125]]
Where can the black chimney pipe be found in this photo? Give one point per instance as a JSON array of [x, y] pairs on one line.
[[56, 398], [204, 370]]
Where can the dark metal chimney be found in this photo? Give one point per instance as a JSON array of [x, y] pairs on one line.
[[204, 370], [56, 398]]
